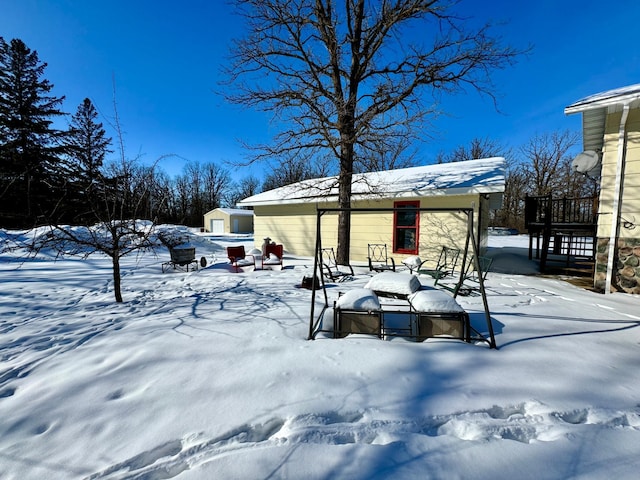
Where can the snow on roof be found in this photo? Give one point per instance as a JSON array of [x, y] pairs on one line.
[[457, 178], [595, 108], [235, 211], [604, 99]]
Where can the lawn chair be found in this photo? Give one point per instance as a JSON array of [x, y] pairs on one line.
[[378, 259], [238, 258], [331, 269], [357, 311], [470, 279], [273, 255], [471, 282], [446, 264]]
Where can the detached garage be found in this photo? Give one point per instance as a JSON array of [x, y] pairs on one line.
[[221, 221]]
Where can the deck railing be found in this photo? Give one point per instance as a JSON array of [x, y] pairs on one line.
[[545, 210]]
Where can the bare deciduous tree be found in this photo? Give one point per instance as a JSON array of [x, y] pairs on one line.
[[342, 75], [245, 188], [516, 184], [117, 198], [160, 204], [477, 148], [290, 170], [216, 183], [181, 198], [200, 188], [547, 160], [384, 155], [118, 229], [512, 210]]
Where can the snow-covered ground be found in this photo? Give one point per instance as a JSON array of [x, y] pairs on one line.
[[209, 375]]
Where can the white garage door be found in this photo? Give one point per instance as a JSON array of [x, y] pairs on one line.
[[217, 226]]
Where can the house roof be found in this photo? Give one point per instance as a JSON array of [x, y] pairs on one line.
[[457, 178], [605, 99], [595, 108], [234, 211]]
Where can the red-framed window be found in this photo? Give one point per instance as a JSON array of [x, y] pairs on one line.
[[406, 227]]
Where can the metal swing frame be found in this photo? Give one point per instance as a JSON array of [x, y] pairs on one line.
[[471, 240]]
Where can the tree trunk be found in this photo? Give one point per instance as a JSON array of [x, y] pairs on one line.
[[344, 201], [116, 277], [344, 225]]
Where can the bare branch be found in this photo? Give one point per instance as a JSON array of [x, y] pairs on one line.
[[341, 80]]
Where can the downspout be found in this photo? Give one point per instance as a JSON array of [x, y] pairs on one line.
[[617, 197]]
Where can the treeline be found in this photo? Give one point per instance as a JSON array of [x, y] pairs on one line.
[[78, 174]]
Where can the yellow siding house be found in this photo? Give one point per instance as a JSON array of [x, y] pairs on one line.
[[611, 128], [287, 215]]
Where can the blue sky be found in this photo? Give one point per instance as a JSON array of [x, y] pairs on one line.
[[166, 58]]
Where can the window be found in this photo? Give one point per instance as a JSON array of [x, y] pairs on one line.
[[406, 223]]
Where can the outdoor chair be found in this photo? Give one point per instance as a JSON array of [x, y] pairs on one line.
[[357, 311], [437, 314], [471, 282], [445, 267], [239, 259], [470, 278], [331, 269], [378, 259], [273, 256]]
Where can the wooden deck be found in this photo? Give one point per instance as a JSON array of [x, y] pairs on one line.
[[566, 227]]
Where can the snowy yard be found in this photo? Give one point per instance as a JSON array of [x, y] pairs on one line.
[[208, 374]]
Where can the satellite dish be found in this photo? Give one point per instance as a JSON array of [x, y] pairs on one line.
[[587, 163]]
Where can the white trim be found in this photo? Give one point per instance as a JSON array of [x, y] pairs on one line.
[[618, 96]]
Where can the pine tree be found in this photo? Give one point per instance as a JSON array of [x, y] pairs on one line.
[[29, 145], [86, 146]]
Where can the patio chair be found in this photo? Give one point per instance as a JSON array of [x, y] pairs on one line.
[[446, 265], [331, 269], [273, 255], [378, 259], [239, 259], [357, 311], [438, 314], [470, 280]]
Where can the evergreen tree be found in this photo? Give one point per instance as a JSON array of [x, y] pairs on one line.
[[86, 146], [29, 145]]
